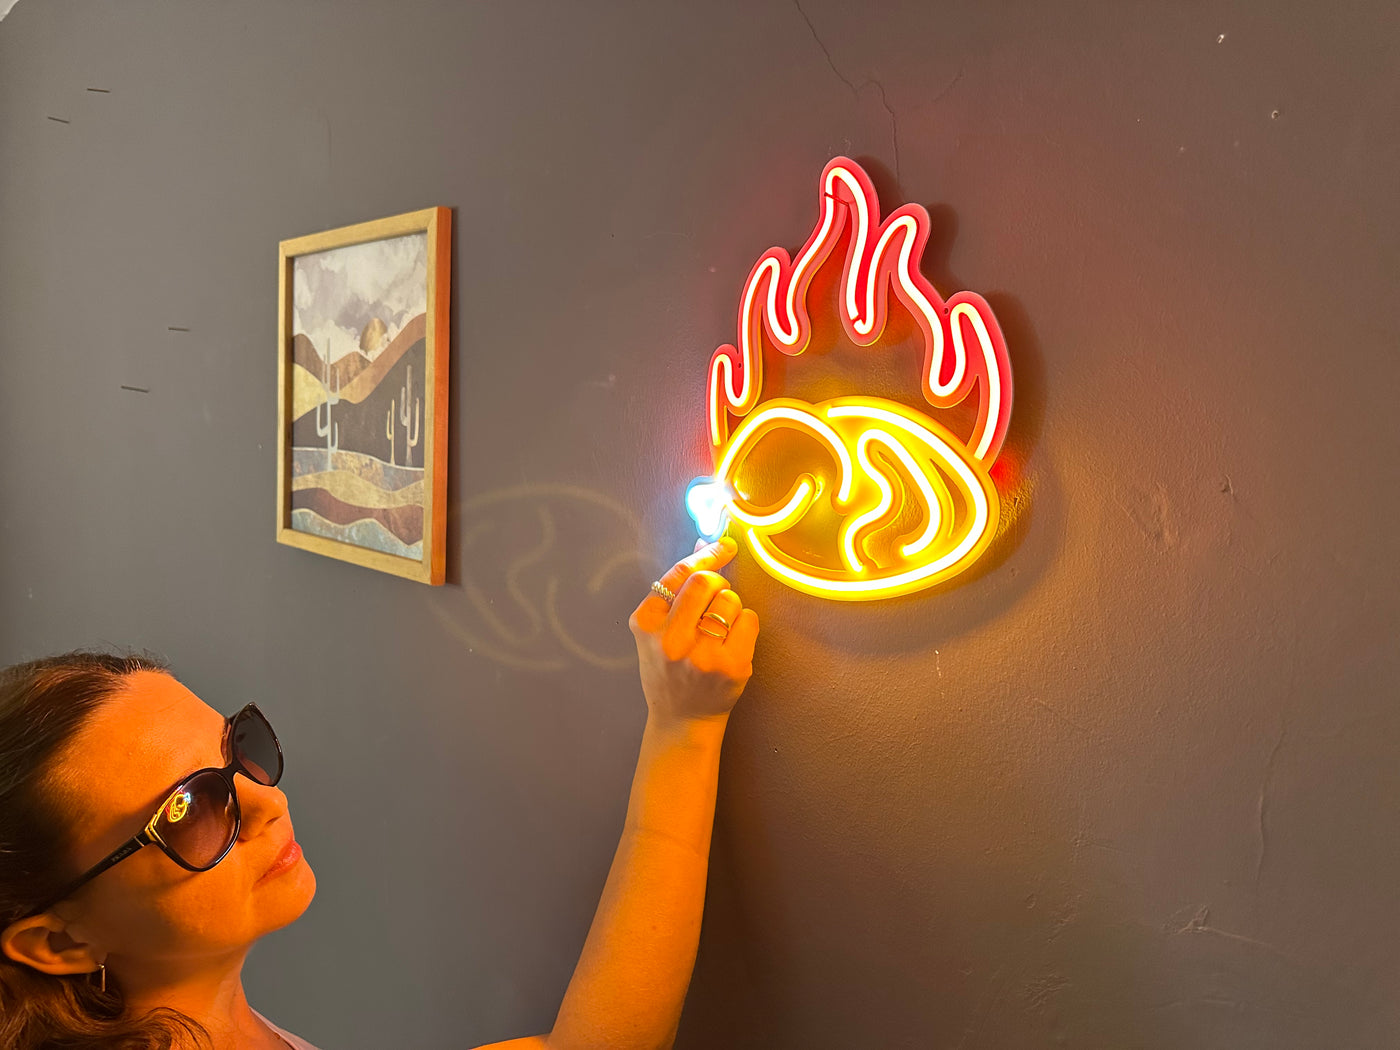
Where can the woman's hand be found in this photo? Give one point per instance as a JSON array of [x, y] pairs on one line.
[[696, 652]]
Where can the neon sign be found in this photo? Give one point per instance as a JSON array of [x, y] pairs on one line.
[[860, 497]]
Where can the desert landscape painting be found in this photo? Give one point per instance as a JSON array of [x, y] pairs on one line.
[[359, 330]]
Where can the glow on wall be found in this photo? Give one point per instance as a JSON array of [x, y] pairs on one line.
[[856, 496]]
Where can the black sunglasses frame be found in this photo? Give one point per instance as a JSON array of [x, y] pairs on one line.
[[149, 836]]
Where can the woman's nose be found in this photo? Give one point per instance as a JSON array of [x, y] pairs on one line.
[[260, 805]]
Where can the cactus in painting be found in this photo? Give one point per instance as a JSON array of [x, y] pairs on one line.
[[389, 432], [411, 435], [329, 431]]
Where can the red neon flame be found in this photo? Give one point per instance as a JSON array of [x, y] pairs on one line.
[[882, 257]]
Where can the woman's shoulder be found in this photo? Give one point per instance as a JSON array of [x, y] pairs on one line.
[[296, 1042]]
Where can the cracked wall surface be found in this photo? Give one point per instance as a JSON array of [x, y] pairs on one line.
[[1130, 783]]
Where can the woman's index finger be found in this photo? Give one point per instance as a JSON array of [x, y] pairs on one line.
[[655, 609], [715, 556]]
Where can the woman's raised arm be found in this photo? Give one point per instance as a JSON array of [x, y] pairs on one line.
[[696, 654]]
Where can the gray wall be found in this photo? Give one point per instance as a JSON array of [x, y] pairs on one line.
[[1133, 784]]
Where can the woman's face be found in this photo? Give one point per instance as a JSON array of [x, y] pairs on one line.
[[147, 911]]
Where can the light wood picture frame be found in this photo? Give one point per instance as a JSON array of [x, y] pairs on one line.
[[362, 370]]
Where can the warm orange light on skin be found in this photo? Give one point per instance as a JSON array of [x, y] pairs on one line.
[[921, 465]]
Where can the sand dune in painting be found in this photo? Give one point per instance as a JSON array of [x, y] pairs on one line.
[[307, 461], [351, 488], [356, 488], [367, 533], [405, 523]]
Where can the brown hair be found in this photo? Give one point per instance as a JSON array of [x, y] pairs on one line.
[[43, 704]]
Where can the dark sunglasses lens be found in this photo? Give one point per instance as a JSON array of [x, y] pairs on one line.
[[255, 745], [198, 822]]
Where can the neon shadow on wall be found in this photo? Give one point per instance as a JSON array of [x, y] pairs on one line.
[[894, 500]]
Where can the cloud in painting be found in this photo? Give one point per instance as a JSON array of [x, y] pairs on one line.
[[337, 293]]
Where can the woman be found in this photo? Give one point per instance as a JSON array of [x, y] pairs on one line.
[[146, 846]]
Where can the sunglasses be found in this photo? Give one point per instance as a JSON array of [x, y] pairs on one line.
[[199, 821]]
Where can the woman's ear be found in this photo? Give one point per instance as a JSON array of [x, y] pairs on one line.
[[44, 943]]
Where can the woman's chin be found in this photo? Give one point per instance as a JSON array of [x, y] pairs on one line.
[[288, 895]]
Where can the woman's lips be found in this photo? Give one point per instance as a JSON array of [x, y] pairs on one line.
[[286, 860]]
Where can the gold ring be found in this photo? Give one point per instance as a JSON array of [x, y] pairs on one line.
[[716, 616], [667, 595], [712, 634]]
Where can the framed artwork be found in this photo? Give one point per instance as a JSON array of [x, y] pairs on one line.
[[362, 393]]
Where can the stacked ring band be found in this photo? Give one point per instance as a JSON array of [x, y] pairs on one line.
[[667, 595], [718, 619]]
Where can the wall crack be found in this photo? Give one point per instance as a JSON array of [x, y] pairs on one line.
[[1263, 807], [1200, 925], [868, 82]]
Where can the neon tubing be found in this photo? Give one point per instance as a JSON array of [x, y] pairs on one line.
[[922, 458]]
